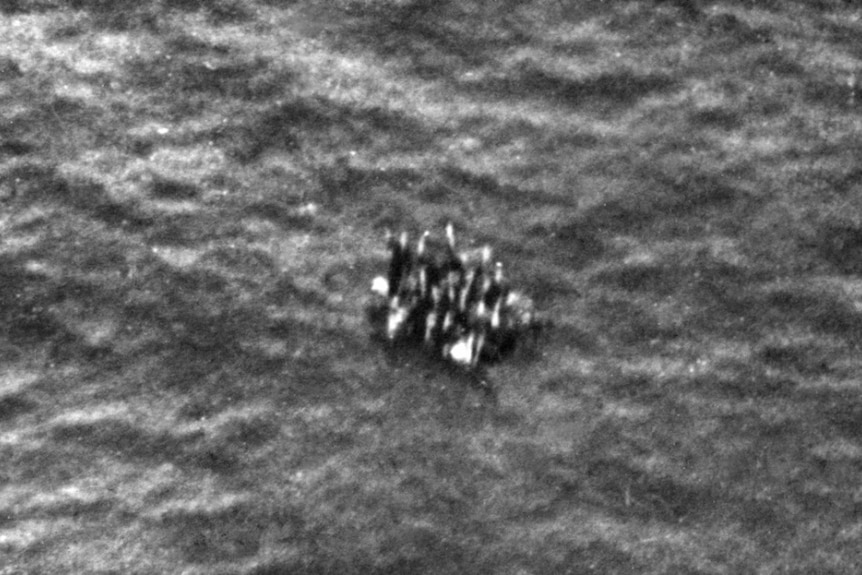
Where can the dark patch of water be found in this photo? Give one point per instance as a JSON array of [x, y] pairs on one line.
[[214, 536], [125, 215], [609, 90], [15, 405], [172, 189]]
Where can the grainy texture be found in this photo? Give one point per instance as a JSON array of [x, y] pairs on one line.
[[192, 201]]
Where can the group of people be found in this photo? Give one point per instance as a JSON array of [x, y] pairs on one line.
[[457, 304]]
